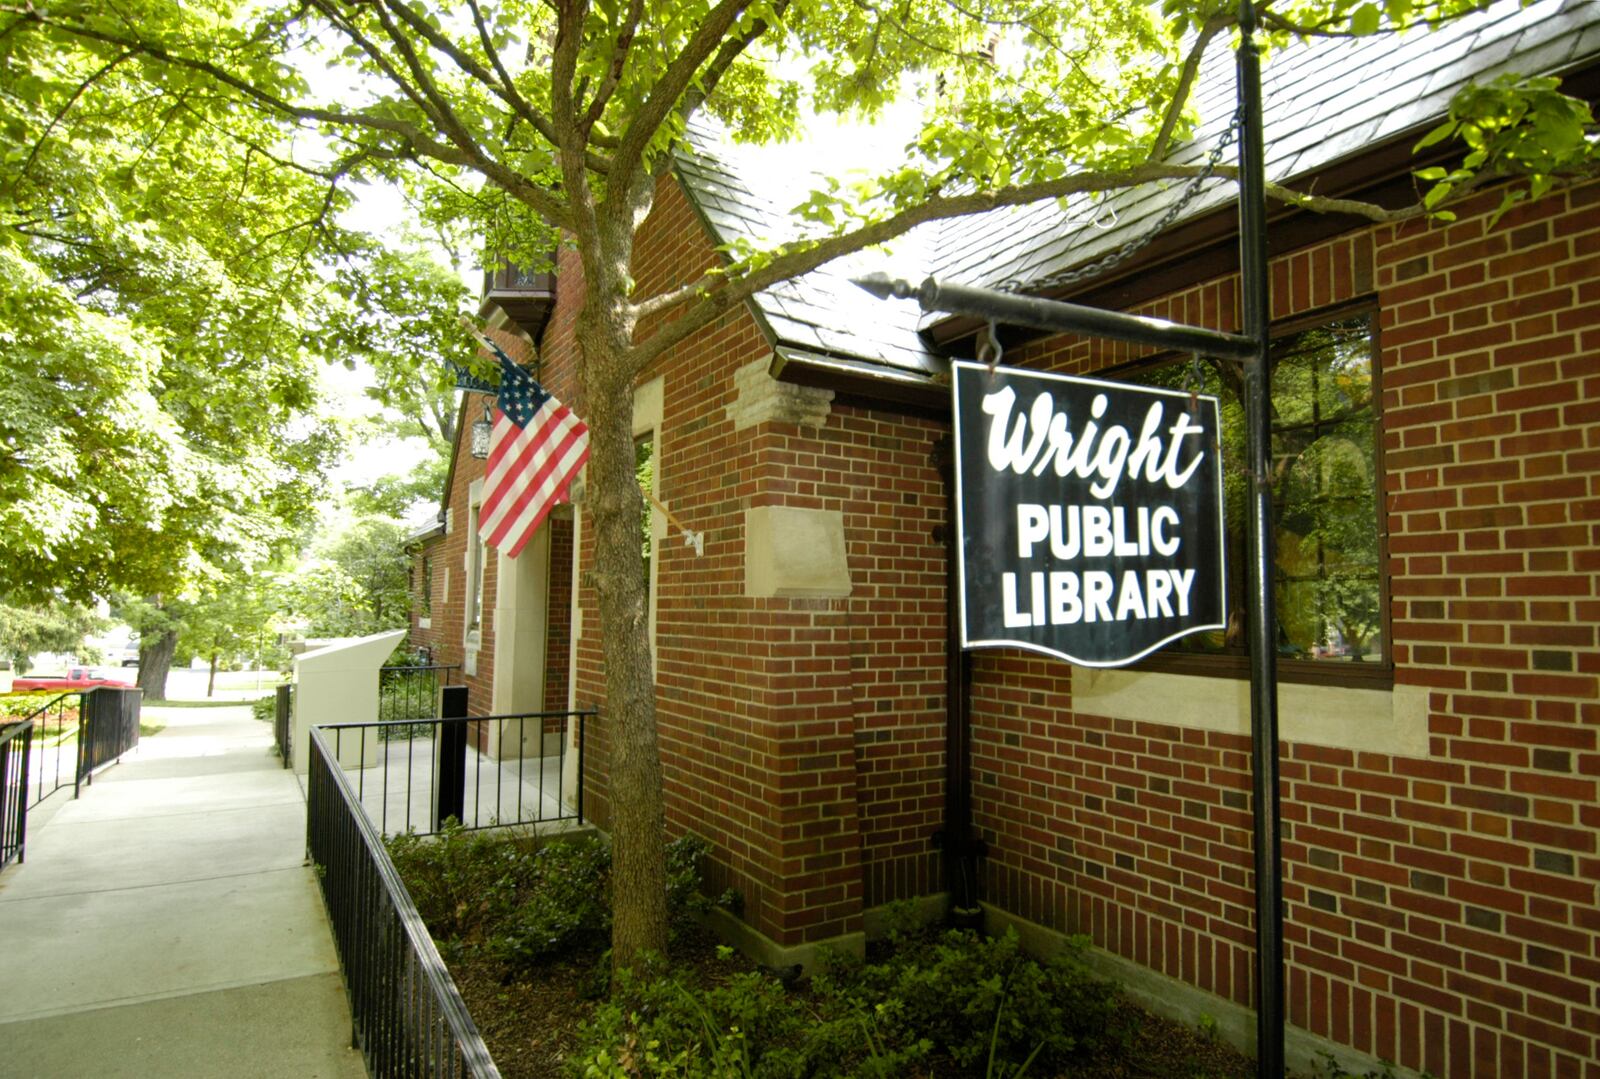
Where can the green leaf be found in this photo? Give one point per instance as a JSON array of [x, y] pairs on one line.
[[1365, 20], [1438, 134]]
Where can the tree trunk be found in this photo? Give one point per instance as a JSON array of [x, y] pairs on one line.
[[211, 682], [155, 660], [614, 505]]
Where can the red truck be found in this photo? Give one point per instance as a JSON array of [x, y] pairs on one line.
[[75, 678]]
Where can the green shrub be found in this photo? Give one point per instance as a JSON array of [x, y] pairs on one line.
[[568, 904], [968, 995], [749, 1027], [465, 884], [526, 899], [15, 706], [264, 709], [976, 1003]]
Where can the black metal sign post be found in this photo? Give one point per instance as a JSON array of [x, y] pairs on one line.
[[1252, 349], [1263, 617]]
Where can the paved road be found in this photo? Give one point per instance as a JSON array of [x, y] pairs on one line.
[[164, 924]]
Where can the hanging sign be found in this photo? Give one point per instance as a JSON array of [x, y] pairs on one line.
[[1089, 514]]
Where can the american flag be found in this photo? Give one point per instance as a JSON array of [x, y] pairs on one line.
[[535, 449]]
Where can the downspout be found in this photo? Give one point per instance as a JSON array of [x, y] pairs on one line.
[[959, 841]]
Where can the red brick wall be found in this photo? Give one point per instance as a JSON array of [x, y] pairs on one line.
[[558, 628], [1441, 910], [780, 718], [422, 556]]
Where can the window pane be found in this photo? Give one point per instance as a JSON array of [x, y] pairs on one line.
[[1325, 495], [1324, 492], [644, 448], [478, 550]]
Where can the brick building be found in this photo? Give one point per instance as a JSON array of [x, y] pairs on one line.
[[1437, 395]]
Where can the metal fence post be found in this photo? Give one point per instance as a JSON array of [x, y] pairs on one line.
[[581, 718], [450, 799], [282, 722], [88, 730]]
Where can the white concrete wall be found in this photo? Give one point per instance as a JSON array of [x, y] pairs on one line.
[[339, 684], [521, 615]]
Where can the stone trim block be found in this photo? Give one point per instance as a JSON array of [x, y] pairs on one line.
[[759, 398]]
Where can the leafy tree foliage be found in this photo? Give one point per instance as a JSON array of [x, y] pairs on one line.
[[399, 311], [234, 623], [169, 283], [529, 119], [358, 584], [397, 495], [153, 260], [51, 627]]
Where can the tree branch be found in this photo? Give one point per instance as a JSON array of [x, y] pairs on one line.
[[1186, 78], [502, 87], [544, 203], [426, 95], [1272, 18], [104, 70], [669, 88], [570, 16], [401, 128], [730, 51], [613, 76]]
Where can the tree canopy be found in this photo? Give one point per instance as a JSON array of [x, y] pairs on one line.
[[524, 120], [170, 282], [53, 627], [157, 407]]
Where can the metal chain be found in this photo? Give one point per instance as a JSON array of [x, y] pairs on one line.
[[1194, 380], [1138, 243]]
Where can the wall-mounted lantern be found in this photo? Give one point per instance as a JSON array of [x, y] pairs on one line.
[[481, 430]]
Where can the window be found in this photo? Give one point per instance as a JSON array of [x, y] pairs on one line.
[[474, 568], [644, 459], [647, 418], [425, 598], [475, 619], [1327, 580]]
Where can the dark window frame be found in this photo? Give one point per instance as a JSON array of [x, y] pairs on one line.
[[1233, 665]]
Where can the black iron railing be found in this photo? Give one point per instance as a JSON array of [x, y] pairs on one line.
[[16, 747], [407, 1017], [60, 744], [283, 723], [414, 774], [57, 725], [110, 728], [413, 692]]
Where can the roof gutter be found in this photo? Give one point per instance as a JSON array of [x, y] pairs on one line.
[[861, 378]]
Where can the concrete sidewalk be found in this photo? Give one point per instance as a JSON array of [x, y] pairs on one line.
[[164, 924]]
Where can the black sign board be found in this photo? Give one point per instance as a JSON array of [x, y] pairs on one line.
[[1089, 514]]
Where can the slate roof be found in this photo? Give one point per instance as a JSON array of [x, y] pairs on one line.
[[1326, 102], [821, 311]]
